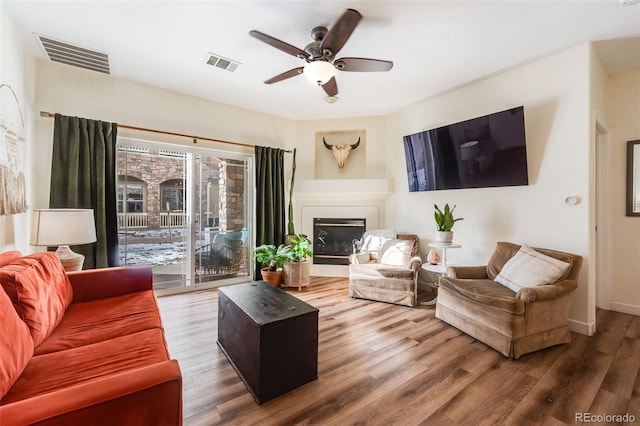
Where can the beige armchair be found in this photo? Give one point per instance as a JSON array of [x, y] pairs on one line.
[[514, 321], [390, 275]]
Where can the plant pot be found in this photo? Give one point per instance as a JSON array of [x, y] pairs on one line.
[[297, 274], [272, 277], [444, 237]]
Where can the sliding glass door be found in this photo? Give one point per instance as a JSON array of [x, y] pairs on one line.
[[222, 225], [186, 212]]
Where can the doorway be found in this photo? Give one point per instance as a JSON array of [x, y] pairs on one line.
[[186, 213], [603, 231]]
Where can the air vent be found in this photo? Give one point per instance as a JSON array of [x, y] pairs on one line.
[[221, 62], [173, 154], [66, 53], [133, 149]]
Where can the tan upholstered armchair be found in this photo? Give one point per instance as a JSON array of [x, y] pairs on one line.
[[390, 275], [512, 318]]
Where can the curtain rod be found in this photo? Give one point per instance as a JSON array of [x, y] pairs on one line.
[[163, 132]]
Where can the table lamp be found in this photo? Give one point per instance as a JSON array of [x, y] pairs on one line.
[[64, 228]]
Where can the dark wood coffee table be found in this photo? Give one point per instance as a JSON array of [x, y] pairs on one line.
[[269, 336]]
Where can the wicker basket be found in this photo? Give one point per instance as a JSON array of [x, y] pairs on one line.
[[297, 274]]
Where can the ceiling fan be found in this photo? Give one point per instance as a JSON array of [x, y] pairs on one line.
[[320, 54]]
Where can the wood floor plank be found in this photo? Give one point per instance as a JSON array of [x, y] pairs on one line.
[[621, 377], [392, 365], [611, 330], [609, 403], [633, 331], [559, 390], [634, 401], [488, 380], [500, 404]]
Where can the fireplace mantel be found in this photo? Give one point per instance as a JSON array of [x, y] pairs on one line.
[[339, 198], [361, 189]]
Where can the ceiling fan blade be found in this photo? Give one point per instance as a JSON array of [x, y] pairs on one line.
[[362, 64], [331, 87], [279, 44], [341, 31], [285, 75]]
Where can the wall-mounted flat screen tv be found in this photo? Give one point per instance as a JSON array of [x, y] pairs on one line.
[[487, 151]]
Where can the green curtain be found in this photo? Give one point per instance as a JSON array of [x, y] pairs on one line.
[[270, 211], [83, 175]]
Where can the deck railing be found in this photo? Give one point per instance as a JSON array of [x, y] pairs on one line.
[[132, 220], [141, 220], [173, 219]]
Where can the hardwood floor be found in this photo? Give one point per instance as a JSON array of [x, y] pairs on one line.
[[383, 364]]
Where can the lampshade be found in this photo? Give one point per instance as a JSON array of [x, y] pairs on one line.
[[319, 72], [55, 227], [470, 150]]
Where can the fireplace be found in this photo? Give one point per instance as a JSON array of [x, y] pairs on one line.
[[333, 239]]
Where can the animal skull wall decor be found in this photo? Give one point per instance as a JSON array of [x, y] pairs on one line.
[[341, 151]]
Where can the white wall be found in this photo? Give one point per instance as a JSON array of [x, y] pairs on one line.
[[623, 104], [555, 95], [17, 69], [76, 92], [308, 158]]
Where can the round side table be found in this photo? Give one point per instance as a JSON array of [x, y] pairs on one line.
[[444, 247], [440, 269]]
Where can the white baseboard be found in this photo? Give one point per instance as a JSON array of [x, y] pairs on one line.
[[581, 327], [625, 308], [589, 329]]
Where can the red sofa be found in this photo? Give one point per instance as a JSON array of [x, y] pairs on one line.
[[84, 348]]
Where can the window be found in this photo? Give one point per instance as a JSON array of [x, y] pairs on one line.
[[131, 195], [172, 195]]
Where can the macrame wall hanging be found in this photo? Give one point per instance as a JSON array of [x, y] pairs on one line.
[[13, 192]]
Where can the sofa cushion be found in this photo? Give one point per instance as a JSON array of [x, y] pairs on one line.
[[16, 346], [530, 268], [8, 257], [378, 270], [39, 290], [58, 370], [505, 251], [372, 243], [484, 291], [396, 252], [414, 239], [501, 255], [103, 319], [564, 257]]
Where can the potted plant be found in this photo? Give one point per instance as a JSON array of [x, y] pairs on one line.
[[297, 269], [444, 222], [272, 259]]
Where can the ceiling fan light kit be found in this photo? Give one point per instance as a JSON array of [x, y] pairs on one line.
[[319, 72], [320, 55]]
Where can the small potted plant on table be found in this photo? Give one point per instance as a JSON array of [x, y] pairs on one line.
[[444, 222], [272, 259]]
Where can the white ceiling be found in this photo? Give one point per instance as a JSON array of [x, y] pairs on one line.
[[435, 45]]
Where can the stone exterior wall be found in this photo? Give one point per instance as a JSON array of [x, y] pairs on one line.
[[154, 169], [232, 195]]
